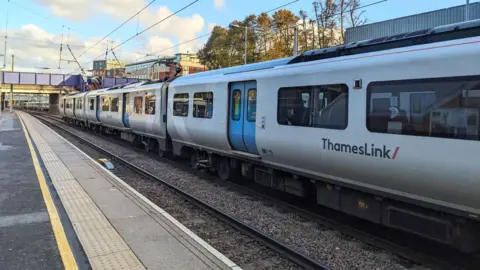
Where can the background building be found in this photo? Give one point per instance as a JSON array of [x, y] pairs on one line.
[[412, 23], [157, 69], [108, 68]]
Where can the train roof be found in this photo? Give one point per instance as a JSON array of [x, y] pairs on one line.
[[238, 69], [437, 34]]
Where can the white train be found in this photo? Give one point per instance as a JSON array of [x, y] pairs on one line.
[[386, 130]]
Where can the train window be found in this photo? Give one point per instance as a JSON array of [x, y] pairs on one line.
[[138, 105], [106, 104], [438, 107], [114, 107], [203, 105], [252, 105], [180, 105], [150, 104], [237, 102], [321, 106], [92, 104]]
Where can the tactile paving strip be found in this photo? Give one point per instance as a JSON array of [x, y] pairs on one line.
[[103, 245]]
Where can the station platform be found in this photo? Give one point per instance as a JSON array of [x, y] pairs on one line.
[[60, 209]]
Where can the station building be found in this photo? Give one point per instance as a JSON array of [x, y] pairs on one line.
[[157, 69]]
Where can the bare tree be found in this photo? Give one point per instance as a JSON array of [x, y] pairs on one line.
[[304, 16], [343, 6], [325, 16], [355, 16], [312, 23], [317, 10]]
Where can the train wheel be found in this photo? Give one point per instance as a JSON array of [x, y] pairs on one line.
[[193, 160], [223, 169], [146, 146]]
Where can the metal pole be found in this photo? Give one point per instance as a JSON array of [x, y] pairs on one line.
[[295, 41], [467, 6], [11, 87], [246, 33]]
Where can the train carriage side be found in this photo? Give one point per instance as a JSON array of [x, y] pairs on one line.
[[111, 105], [92, 109], [408, 133], [79, 109], [69, 106], [387, 137], [144, 115]]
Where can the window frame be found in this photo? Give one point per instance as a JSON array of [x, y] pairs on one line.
[[92, 104], [103, 103], [206, 107], [140, 111], [311, 103], [183, 100], [248, 106], [406, 82], [117, 105], [239, 105], [155, 103]]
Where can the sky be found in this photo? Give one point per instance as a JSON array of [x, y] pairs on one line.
[[37, 27]]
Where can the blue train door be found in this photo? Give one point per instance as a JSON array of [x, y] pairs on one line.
[[126, 112], [243, 108]]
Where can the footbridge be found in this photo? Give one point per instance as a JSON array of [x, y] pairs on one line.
[[16, 85]]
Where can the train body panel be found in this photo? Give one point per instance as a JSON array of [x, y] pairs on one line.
[[111, 104], [143, 111], [93, 108], [69, 106], [79, 110], [207, 131], [308, 150]]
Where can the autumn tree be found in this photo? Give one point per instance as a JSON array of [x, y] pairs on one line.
[[284, 20], [272, 37], [215, 54]]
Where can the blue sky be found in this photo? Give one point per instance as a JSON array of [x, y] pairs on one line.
[[90, 20]]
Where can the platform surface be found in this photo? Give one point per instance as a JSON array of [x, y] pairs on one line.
[[26, 236], [115, 226]]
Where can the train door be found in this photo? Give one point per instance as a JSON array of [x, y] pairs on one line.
[[126, 111], [243, 105], [74, 107], [64, 106], [97, 111]]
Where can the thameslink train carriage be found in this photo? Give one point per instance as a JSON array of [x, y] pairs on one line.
[[386, 129]]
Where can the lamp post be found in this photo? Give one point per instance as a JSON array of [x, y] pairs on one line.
[[2, 103], [467, 6], [246, 40]]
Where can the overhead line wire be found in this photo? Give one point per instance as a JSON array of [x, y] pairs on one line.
[[146, 29], [133, 16]]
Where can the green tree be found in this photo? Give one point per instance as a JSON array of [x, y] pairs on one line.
[[214, 54]]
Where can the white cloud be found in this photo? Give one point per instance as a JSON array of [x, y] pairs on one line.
[[219, 3], [178, 28], [211, 26], [34, 47]]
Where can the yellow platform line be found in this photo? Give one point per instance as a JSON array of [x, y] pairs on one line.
[[64, 248]]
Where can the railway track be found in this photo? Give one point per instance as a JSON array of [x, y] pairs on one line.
[[286, 252], [424, 253]]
